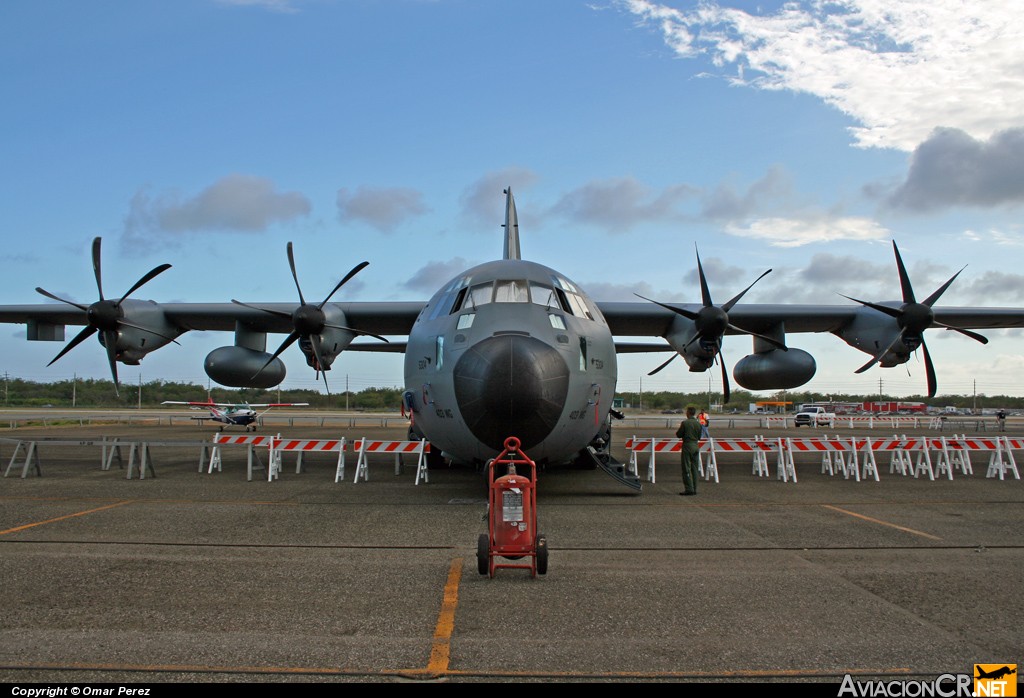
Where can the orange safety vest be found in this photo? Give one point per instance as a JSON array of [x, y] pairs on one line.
[[703, 419]]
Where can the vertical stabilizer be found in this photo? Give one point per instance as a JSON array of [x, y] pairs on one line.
[[511, 227]]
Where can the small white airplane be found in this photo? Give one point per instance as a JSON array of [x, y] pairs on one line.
[[230, 414]]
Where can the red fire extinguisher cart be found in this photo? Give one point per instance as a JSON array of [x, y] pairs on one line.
[[512, 515]]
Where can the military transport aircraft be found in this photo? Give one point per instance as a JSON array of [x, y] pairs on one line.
[[231, 414], [510, 347]]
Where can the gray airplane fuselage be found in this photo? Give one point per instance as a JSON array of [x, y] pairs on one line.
[[510, 348]]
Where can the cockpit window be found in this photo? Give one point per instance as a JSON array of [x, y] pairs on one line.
[[543, 295], [479, 295], [570, 299], [510, 292]]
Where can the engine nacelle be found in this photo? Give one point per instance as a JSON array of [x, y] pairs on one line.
[[235, 367], [775, 369], [134, 341]]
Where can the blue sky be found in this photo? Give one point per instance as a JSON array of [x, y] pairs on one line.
[[801, 136]]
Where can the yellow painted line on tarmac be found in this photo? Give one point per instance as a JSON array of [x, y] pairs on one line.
[[67, 516], [440, 651], [883, 523]]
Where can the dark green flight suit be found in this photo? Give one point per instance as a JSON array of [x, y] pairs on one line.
[[689, 432]]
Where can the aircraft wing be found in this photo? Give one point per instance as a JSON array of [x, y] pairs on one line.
[[389, 318], [638, 319]]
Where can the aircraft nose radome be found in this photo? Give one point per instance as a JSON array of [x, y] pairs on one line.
[[511, 386]]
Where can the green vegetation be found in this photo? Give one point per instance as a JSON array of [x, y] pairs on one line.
[[100, 393], [740, 400]]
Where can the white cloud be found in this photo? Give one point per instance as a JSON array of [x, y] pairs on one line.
[[382, 208], [481, 205], [951, 168], [432, 275], [237, 203], [618, 205], [899, 68], [794, 232]]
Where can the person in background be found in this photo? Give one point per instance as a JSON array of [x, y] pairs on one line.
[[689, 431]]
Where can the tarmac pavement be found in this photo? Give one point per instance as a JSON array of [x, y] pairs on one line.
[[191, 576]]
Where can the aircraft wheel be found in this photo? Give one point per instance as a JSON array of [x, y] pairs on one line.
[[482, 553], [542, 554]]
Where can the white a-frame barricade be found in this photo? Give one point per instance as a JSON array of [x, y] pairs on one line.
[[1002, 460], [364, 447], [250, 442]]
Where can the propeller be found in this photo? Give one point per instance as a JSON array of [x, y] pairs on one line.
[[309, 320], [711, 323], [913, 319], [106, 315]]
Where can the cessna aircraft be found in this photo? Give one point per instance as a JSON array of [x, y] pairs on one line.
[[510, 347], [230, 414]]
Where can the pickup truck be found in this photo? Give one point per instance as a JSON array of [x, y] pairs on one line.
[[814, 417]]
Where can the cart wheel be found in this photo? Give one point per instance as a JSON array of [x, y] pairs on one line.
[[542, 554], [483, 553]]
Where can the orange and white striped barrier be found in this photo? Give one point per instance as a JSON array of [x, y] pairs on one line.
[[851, 456], [364, 447], [709, 448], [250, 442], [304, 446]]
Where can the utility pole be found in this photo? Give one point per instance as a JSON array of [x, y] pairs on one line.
[[74, 389], [346, 392], [140, 391], [641, 393]]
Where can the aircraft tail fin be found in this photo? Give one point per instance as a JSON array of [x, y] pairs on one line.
[[511, 227]]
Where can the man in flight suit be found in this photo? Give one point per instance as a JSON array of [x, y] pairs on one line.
[[689, 431]]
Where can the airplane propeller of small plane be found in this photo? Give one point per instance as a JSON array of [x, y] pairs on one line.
[[234, 414], [509, 347]]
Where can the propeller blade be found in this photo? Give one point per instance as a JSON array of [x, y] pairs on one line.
[[355, 270], [728, 306], [151, 331], [358, 332], [291, 263], [891, 312], [155, 271], [689, 315], [967, 333], [929, 370], [725, 378], [930, 300], [79, 338], [878, 358], [315, 341], [705, 292], [908, 290], [671, 359], [774, 342], [96, 241], [278, 313], [110, 339], [289, 340], [62, 300]]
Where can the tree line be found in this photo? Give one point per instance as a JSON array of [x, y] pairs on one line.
[[100, 393]]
